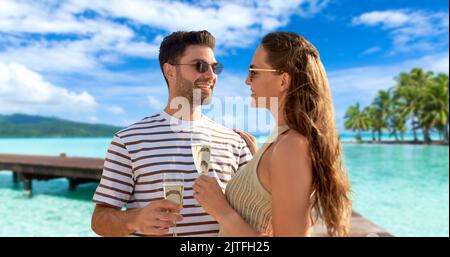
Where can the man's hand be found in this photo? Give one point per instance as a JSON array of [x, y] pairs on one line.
[[155, 218], [249, 139]]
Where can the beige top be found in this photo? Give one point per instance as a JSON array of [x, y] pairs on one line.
[[247, 195]]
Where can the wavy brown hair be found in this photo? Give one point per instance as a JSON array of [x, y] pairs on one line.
[[308, 109]]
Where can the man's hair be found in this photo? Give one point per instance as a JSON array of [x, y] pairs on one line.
[[173, 46]]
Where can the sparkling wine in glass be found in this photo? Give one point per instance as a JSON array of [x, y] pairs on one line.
[[173, 185], [201, 150]]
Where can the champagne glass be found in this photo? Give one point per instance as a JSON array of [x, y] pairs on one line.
[[201, 149], [173, 185]]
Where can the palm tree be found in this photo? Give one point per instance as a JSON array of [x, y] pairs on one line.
[[382, 111], [357, 120], [410, 88], [398, 123], [396, 116], [442, 123], [376, 121], [434, 111], [418, 96], [371, 113]]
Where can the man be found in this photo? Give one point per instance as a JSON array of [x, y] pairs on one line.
[[130, 198]]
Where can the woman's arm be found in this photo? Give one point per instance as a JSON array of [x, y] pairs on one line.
[[290, 171], [291, 178], [209, 194]]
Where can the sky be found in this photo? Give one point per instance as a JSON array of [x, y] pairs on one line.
[[97, 61]]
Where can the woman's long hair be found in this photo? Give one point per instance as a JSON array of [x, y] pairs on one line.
[[308, 109]]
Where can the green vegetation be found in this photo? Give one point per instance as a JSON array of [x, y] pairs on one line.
[[21, 125], [419, 99]]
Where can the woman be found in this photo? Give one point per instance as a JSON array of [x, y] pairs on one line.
[[297, 178]]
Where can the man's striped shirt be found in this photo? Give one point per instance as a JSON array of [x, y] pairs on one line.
[[140, 154]]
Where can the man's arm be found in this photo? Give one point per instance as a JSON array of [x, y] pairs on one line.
[[154, 219], [111, 221]]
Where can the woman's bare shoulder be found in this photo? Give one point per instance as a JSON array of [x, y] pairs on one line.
[[290, 159], [290, 150], [291, 142]]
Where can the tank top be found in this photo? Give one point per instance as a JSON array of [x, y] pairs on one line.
[[247, 195]]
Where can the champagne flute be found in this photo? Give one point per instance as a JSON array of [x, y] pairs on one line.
[[201, 149], [173, 185]]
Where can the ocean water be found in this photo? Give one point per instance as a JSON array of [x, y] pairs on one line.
[[53, 210], [401, 188], [386, 137]]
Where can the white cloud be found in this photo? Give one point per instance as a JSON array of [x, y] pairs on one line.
[[370, 79], [155, 103], [371, 50], [410, 30], [310, 8], [129, 89], [226, 18], [108, 44], [43, 18], [229, 84], [85, 42], [134, 92], [23, 90], [90, 35], [234, 23], [389, 19], [115, 109], [52, 56], [92, 119], [125, 86]]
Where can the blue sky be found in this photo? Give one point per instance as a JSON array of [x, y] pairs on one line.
[[96, 61]]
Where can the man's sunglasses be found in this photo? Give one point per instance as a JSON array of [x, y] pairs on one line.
[[202, 66]]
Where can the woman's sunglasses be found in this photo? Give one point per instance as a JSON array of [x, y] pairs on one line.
[[202, 66], [252, 72]]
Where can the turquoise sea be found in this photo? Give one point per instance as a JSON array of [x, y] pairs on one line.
[[402, 188]]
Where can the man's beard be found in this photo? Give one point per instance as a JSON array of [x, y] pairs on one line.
[[191, 92]]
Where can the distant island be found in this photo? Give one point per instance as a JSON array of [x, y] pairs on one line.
[[22, 125]]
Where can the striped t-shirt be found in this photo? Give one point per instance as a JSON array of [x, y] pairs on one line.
[[140, 154]]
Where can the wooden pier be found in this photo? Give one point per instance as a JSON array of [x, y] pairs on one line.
[[360, 227], [77, 170]]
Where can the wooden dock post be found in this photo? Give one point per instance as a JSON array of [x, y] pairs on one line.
[[73, 184], [15, 177], [28, 186]]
